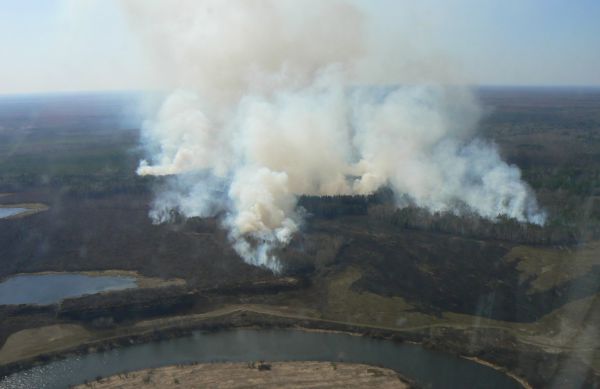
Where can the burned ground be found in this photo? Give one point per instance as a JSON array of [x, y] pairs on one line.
[[114, 232], [80, 160]]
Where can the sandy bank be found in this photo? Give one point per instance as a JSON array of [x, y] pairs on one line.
[[31, 208], [141, 281], [265, 375]]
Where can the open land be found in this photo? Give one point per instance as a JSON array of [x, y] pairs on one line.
[[263, 375], [525, 299]]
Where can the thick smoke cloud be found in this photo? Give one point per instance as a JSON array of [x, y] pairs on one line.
[[275, 99]]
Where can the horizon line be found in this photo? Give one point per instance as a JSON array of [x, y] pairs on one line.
[[141, 91]]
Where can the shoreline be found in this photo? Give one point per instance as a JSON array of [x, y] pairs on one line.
[[261, 373], [140, 280], [271, 374], [241, 319], [515, 377], [31, 209]]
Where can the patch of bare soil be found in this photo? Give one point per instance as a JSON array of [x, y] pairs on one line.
[[260, 374]]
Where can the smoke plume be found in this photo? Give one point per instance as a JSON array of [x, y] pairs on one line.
[[277, 99]]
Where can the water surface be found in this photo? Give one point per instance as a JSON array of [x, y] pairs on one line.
[[430, 368], [8, 212], [52, 288]]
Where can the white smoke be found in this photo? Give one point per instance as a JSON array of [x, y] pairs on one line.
[[274, 100]]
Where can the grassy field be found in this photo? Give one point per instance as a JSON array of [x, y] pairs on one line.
[[31, 342]]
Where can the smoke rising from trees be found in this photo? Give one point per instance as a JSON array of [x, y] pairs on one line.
[[276, 99]]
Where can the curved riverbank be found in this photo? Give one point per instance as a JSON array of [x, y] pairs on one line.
[[28, 209], [426, 367], [515, 377], [141, 280], [266, 375], [215, 322]]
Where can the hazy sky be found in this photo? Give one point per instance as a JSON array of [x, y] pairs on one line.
[[67, 45]]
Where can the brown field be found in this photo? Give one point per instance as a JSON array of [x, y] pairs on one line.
[[256, 375]]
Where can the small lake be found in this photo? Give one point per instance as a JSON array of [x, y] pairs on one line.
[[429, 368], [8, 212], [52, 288]]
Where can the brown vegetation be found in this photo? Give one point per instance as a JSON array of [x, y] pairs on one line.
[[257, 375], [443, 270]]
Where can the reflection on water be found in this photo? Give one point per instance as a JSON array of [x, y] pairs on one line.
[[429, 368], [51, 288], [7, 212]]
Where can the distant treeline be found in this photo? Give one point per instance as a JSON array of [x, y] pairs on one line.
[[474, 226], [88, 184], [382, 206], [330, 207], [573, 180]]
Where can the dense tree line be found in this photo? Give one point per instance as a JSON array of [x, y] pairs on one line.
[[474, 226], [382, 206], [84, 184], [330, 207]]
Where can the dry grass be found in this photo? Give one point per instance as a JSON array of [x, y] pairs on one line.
[[141, 281], [36, 341], [553, 266], [246, 375], [344, 304], [569, 327]]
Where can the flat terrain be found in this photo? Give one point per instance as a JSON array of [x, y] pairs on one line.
[[35, 341], [256, 375], [523, 297]]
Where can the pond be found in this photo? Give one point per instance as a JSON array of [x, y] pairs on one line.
[[52, 288], [8, 212], [430, 368]]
